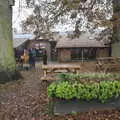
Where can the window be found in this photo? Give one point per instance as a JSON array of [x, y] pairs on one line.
[[83, 53], [76, 53]]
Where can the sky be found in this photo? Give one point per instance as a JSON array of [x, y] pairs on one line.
[[19, 14]]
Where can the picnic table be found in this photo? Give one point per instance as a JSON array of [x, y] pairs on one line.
[[107, 63], [59, 69], [106, 59]]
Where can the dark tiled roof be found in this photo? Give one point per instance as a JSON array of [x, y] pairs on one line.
[[20, 39], [79, 42], [18, 42]]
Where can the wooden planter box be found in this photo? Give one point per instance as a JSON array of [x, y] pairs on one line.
[[74, 106]]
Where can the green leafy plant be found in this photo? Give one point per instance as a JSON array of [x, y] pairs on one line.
[[66, 91], [91, 91], [77, 77], [103, 91], [51, 90], [108, 90]]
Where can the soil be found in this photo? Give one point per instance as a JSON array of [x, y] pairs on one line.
[[26, 99]]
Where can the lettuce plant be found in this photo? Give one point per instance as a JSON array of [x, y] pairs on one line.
[[102, 91]]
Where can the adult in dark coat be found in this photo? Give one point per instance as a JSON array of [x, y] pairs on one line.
[[31, 59], [45, 57]]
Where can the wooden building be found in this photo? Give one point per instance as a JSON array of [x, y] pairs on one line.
[[80, 49], [115, 48], [42, 44], [26, 41], [20, 43]]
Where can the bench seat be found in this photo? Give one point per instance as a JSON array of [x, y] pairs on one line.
[[110, 67], [48, 78]]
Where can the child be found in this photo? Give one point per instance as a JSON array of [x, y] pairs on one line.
[[26, 59]]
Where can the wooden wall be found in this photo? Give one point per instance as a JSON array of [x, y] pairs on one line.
[[116, 49], [45, 43], [64, 55], [102, 52]]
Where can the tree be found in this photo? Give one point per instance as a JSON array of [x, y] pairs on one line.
[[7, 60], [116, 20], [87, 14], [45, 15], [91, 15]]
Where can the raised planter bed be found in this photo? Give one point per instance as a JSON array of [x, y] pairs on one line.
[[75, 106], [70, 96]]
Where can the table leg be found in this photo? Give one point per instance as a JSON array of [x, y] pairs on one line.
[[45, 73], [77, 71]]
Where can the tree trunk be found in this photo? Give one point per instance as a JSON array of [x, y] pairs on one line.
[[7, 60], [116, 20]]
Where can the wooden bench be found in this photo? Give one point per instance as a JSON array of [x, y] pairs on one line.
[[58, 69], [107, 64], [47, 78], [111, 67]]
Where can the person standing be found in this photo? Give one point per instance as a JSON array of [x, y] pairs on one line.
[[45, 57], [26, 59], [32, 56]]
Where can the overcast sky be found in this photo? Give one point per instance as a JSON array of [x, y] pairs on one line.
[[19, 14]]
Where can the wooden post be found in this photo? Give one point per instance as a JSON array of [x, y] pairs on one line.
[[82, 56], [51, 106], [45, 72]]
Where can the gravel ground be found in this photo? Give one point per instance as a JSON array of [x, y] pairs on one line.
[[26, 99]]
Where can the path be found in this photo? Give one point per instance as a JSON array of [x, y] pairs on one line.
[[22, 99]]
